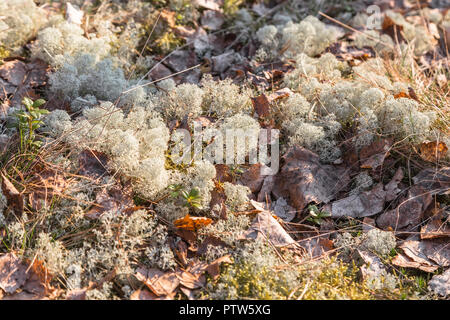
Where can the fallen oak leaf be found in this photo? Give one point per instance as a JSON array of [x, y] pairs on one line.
[[435, 181], [364, 204], [266, 227], [426, 255], [13, 273], [116, 198], [261, 105], [401, 260], [253, 177], [316, 247], [33, 279], [433, 151], [213, 268], [191, 280], [92, 163], [144, 294], [437, 227], [409, 212], [303, 179], [210, 4], [160, 283], [373, 155], [391, 187], [279, 94], [191, 223], [210, 241], [373, 267]]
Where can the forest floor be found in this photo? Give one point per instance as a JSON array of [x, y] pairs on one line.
[[350, 200]]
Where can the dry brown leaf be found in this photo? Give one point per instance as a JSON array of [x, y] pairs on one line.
[[76, 294], [437, 227], [210, 4], [14, 72], [159, 71], [213, 268], [93, 163], [188, 293], [435, 181], [364, 204], [116, 198], [316, 247], [160, 283], [222, 62], [266, 227], [169, 17], [373, 156], [217, 203], [303, 179], [180, 250], [44, 186], [401, 95], [430, 254], [409, 212], [13, 273], [192, 223], [191, 280], [143, 294], [210, 241], [391, 187], [261, 105], [34, 280], [20, 79], [392, 29], [223, 173], [353, 55], [401, 260], [253, 178], [279, 94], [13, 197], [433, 151], [373, 267]]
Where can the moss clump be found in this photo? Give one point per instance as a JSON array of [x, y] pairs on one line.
[[258, 273]]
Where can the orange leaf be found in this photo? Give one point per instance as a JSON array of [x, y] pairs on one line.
[[192, 223], [401, 95], [432, 151]]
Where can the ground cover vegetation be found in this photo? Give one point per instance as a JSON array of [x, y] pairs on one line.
[[93, 204]]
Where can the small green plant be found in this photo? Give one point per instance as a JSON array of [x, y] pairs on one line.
[[192, 198], [316, 216], [236, 171], [28, 121], [175, 189]]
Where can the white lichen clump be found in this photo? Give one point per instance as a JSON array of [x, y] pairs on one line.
[[62, 40], [379, 242], [310, 37], [85, 74], [223, 98], [20, 21], [136, 142], [237, 196]]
